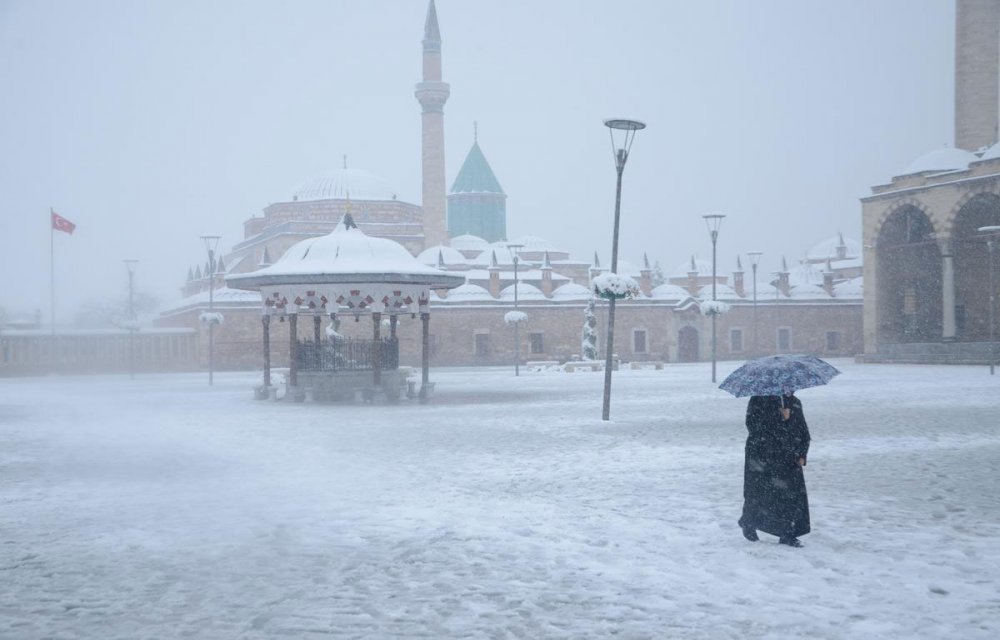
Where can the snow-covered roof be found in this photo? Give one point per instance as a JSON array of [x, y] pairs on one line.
[[807, 291], [722, 292], [992, 153], [701, 266], [806, 273], [450, 256], [524, 292], [943, 159], [831, 247], [346, 254], [572, 291], [534, 243], [344, 184], [468, 242], [850, 289], [469, 293], [669, 292]]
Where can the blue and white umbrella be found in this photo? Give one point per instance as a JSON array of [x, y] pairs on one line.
[[776, 375]]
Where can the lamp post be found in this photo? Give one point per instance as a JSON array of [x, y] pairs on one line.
[[130, 265], [211, 244], [754, 261], [621, 146], [991, 245], [713, 221], [514, 248]]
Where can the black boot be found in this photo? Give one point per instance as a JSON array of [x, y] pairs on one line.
[[790, 541], [750, 534]]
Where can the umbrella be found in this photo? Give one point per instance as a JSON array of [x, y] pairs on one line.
[[775, 375]]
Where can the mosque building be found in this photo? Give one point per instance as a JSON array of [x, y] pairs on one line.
[[926, 266], [813, 306]]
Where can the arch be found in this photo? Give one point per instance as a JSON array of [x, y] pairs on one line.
[[687, 345], [971, 259], [908, 292]]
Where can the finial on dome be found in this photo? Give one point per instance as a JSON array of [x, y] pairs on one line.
[[475, 131], [345, 160]]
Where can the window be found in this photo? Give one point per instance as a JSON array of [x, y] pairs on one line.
[[833, 341], [736, 340], [482, 345], [639, 341], [537, 342], [784, 339]]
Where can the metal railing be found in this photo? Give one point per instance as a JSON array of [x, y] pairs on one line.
[[347, 355]]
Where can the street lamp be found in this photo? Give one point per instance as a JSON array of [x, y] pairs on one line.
[[754, 261], [514, 248], [713, 221], [130, 265], [991, 245], [620, 146], [211, 244]]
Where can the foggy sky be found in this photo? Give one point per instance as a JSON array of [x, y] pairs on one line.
[[149, 124]]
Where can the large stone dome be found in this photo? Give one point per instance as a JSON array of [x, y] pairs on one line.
[[342, 184]]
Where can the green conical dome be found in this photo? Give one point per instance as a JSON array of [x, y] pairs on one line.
[[476, 176]]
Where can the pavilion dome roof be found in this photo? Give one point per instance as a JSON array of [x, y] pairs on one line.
[[943, 159], [345, 184], [346, 254]]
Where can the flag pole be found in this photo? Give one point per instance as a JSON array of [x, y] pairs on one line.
[[52, 288]]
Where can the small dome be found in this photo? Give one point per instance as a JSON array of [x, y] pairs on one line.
[[703, 267], [469, 292], [722, 292], [534, 243], [572, 291], [344, 184], [524, 292], [832, 248], [669, 292], [943, 159], [468, 242], [850, 289], [448, 254]]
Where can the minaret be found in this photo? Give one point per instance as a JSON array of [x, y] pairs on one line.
[[977, 73], [432, 93]]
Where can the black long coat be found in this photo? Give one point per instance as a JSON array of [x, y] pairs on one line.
[[774, 487]]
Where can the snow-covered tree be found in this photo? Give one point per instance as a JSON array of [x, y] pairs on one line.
[[657, 277], [588, 346]]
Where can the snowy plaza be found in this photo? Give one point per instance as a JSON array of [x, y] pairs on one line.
[[505, 508]]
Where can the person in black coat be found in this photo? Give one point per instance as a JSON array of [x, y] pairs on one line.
[[774, 487]]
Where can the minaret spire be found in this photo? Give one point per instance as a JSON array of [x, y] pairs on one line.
[[432, 93]]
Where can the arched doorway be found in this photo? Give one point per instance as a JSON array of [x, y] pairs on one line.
[[909, 278], [972, 297], [687, 344]]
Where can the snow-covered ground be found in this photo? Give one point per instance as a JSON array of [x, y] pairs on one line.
[[162, 508]]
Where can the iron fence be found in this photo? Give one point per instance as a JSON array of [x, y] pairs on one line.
[[347, 355]]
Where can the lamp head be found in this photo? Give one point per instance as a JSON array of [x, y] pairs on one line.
[[622, 132], [211, 243], [754, 257]]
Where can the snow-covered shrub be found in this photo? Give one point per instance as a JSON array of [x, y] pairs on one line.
[[615, 286], [515, 317], [211, 318], [714, 308]]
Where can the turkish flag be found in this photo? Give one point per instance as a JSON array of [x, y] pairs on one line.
[[60, 223]]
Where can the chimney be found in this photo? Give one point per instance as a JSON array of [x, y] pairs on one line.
[[977, 73], [646, 277], [692, 284], [546, 276], [783, 284], [494, 270], [828, 278], [738, 278]]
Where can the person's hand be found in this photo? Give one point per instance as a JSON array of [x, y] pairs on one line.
[[802, 462], [786, 413]]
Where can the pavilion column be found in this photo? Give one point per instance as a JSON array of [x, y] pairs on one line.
[[293, 339], [393, 319], [425, 355], [376, 348], [266, 322], [317, 321], [948, 329]]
